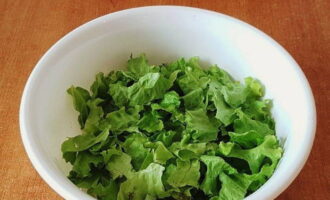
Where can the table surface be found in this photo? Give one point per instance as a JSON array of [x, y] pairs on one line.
[[29, 28]]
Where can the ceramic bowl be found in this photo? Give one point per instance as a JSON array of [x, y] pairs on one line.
[[164, 33]]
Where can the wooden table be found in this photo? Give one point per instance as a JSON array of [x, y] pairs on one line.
[[29, 27]]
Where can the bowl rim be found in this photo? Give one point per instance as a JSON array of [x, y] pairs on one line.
[[62, 191]]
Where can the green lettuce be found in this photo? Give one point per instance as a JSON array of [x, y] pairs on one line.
[[184, 173], [145, 184], [171, 131], [204, 127], [117, 163], [80, 97]]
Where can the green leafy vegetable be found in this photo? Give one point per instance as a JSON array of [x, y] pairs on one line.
[[151, 123], [204, 128], [84, 141], [123, 119], [80, 97], [117, 163], [149, 87], [134, 146], [223, 112], [215, 166], [162, 154], [171, 131], [84, 161], [255, 156], [100, 87], [145, 184], [184, 173]]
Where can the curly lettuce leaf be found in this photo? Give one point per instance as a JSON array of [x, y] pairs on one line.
[[245, 123], [145, 184], [84, 161], [194, 77], [149, 87], [235, 94], [119, 94], [204, 128], [134, 146], [105, 192], [94, 117], [150, 122], [84, 141], [233, 186], [100, 86], [195, 99], [220, 75], [169, 103], [215, 166], [255, 157], [162, 154], [80, 96], [224, 112], [117, 163], [124, 119], [189, 151], [255, 88], [166, 137], [139, 66], [184, 173]]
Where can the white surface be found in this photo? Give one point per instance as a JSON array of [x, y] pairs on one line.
[[164, 33]]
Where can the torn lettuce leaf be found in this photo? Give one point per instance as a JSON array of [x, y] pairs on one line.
[[256, 156], [117, 163], [145, 184], [171, 131], [80, 97], [204, 127], [184, 173]]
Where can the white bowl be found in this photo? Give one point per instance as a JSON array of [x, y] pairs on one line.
[[164, 33]]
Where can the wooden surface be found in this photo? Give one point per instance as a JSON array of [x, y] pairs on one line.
[[29, 27]]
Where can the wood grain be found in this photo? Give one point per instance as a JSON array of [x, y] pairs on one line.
[[29, 28]]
